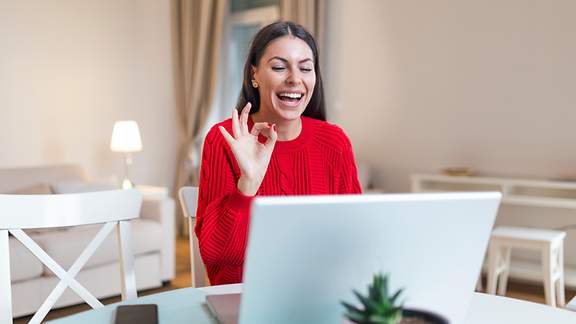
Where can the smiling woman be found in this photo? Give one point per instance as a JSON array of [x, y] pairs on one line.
[[276, 143], [284, 55], [285, 78]]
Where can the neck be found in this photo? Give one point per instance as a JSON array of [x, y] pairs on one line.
[[287, 129]]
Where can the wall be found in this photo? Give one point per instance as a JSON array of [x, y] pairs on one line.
[[422, 85], [69, 69]]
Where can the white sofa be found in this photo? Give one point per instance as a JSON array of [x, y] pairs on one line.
[[153, 240]]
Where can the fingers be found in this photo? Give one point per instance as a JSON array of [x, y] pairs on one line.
[[272, 136], [258, 128], [244, 118], [226, 135], [235, 124], [267, 131]]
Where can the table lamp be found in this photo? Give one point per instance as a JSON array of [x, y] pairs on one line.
[[126, 139]]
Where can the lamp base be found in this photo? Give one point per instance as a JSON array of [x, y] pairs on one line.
[[127, 184]]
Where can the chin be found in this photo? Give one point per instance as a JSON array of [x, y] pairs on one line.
[[288, 113], [292, 115]]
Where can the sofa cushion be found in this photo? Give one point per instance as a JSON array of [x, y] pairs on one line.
[[23, 264], [66, 246], [15, 178], [36, 189], [68, 187]]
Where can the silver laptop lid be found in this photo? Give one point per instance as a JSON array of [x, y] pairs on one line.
[[306, 254]]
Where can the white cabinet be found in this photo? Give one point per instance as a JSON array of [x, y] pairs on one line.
[[516, 192], [541, 193]]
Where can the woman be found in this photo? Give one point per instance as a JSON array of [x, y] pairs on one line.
[[276, 143]]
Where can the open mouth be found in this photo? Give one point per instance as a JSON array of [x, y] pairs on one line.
[[290, 98]]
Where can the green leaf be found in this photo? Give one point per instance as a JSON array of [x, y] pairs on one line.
[[356, 317], [378, 306], [394, 312], [369, 305], [351, 308], [395, 296], [384, 286], [383, 319]]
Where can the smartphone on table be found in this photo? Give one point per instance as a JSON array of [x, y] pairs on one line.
[[137, 314]]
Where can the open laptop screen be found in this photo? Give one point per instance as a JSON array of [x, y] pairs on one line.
[[306, 254]]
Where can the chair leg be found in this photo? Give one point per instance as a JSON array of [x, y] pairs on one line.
[[128, 278], [505, 262], [493, 261], [571, 305], [479, 282], [479, 286], [199, 272], [560, 270], [5, 286], [547, 265], [197, 269], [192, 254], [560, 292]]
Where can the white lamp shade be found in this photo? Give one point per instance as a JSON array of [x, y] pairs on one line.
[[126, 137]]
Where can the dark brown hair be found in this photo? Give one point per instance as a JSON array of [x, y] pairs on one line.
[[315, 108]]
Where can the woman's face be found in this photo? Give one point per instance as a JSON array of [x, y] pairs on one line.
[[286, 77]]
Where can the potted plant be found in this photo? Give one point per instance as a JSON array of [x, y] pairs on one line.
[[381, 307]]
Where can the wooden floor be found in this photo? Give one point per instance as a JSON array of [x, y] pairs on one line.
[[520, 290]]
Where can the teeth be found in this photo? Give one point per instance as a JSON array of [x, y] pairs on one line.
[[291, 95]]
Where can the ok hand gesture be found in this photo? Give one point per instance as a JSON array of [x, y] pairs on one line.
[[252, 156]]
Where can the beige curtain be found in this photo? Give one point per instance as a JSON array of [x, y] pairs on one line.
[[197, 36], [308, 13]]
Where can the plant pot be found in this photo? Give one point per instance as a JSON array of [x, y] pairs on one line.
[[418, 316]]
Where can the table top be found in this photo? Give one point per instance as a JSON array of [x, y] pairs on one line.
[[174, 307], [493, 309], [182, 305]]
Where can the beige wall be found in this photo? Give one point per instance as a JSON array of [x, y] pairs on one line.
[[69, 69], [421, 85], [418, 85]]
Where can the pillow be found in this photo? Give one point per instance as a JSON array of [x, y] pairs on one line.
[[37, 189], [81, 186]]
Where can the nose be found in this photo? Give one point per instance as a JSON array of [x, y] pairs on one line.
[[294, 78]]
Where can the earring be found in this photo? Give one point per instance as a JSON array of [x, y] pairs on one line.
[[254, 83]]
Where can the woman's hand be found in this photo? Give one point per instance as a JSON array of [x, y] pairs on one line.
[[252, 156]]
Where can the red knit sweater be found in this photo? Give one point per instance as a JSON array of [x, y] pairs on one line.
[[318, 161]]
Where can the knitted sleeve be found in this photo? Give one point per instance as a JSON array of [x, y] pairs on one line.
[[349, 183], [223, 211]]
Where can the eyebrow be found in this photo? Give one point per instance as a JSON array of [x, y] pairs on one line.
[[286, 61]]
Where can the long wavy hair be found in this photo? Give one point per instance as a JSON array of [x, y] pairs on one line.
[[315, 108]]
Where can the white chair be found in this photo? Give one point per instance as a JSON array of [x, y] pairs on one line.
[[189, 201], [549, 243], [571, 305], [113, 209]]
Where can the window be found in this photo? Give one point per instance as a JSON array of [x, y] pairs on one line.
[[242, 22]]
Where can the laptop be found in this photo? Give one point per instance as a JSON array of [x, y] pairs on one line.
[[307, 253]]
